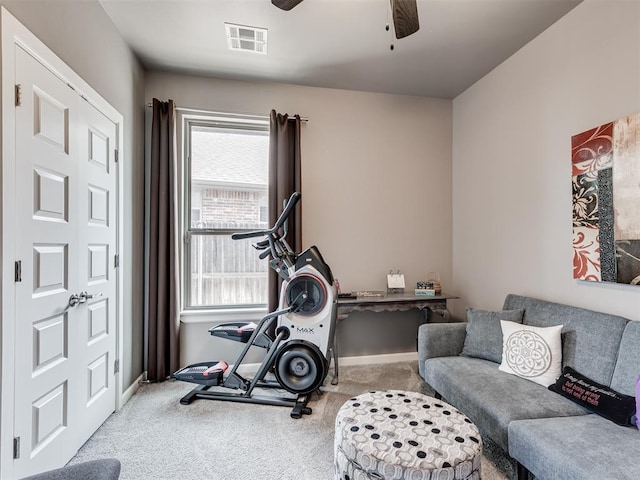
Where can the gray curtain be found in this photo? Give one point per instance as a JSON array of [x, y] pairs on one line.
[[162, 271], [284, 179]]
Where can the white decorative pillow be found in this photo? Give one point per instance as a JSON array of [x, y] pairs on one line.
[[534, 353]]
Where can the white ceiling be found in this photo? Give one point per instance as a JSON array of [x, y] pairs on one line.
[[336, 43]]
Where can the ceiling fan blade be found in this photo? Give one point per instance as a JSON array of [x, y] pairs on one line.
[[285, 4], [405, 17]]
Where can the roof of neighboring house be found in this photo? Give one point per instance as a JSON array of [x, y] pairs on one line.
[[229, 158]]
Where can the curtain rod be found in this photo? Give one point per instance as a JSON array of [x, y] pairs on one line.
[[199, 110]]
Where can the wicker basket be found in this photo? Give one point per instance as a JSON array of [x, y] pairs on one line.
[[433, 279]]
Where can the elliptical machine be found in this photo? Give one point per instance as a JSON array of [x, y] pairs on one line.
[[299, 352]]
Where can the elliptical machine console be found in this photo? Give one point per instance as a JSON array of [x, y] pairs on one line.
[[300, 351]]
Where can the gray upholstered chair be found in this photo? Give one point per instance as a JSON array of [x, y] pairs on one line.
[[105, 469]]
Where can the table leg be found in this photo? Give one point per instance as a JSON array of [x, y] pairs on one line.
[[334, 354], [439, 309]]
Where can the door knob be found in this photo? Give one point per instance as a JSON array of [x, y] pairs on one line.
[[74, 300], [84, 296]]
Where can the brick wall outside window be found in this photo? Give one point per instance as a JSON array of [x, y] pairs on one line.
[[223, 208]]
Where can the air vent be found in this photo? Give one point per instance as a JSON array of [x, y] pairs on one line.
[[246, 39]]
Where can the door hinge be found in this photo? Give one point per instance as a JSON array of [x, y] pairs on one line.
[[116, 261], [117, 155], [18, 95], [18, 271], [16, 448], [116, 366]]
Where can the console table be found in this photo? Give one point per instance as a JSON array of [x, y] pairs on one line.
[[390, 302], [394, 302]]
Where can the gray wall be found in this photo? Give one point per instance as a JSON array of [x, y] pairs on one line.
[[83, 36], [512, 133], [376, 188]]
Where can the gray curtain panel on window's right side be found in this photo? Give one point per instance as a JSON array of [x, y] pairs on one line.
[[284, 179]]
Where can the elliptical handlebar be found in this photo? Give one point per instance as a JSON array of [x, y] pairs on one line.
[[283, 257], [291, 203]]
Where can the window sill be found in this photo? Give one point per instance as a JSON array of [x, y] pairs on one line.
[[222, 315]]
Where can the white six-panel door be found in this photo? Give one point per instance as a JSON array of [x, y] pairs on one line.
[[46, 232], [65, 241], [97, 267]]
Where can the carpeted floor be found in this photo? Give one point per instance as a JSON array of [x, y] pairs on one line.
[[155, 437]]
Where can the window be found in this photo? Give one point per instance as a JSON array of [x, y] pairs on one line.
[[227, 192]]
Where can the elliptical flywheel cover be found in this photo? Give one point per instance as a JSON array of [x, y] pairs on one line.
[[300, 367], [314, 288]]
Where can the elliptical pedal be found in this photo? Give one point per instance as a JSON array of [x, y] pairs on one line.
[[204, 373], [241, 332]]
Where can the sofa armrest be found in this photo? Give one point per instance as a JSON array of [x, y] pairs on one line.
[[103, 469], [439, 340]]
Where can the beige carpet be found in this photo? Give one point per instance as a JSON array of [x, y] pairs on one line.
[[155, 437]]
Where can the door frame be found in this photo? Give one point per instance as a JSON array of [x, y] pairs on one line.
[[15, 35]]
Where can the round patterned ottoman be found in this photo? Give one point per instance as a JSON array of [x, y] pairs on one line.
[[396, 435]]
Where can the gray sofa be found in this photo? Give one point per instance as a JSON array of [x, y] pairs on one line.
[[548, 435]]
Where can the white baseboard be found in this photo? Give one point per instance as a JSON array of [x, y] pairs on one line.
[[373, 359], [348, 361], [129, 392]]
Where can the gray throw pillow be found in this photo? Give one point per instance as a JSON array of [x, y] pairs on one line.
[[484, 335]]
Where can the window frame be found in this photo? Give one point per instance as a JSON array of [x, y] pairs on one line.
[[189, 118]]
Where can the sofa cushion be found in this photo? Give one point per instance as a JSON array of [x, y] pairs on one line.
[[484, 335], [628, 364], [587, 447], [534, 353], [600, 399], [590, 340], [491, 398]]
